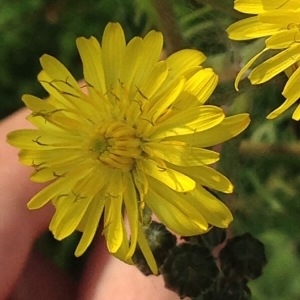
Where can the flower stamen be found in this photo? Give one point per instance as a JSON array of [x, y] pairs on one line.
[[116, 145]]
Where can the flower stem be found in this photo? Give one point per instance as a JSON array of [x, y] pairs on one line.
[[169, 25]]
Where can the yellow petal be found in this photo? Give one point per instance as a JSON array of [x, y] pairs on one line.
[[131, 205], [60, 188], [152, 48], [214, 211], [91, 57], [250, 28], [296, 114], [162, 102], [182, 61], [209, 177], [173, 179], [175, 211], [71, 207], [275, 65], [48, 157], [123, 250], [57, 71], [50, 192], [141, 94], [283, 39], [291, 92], [25, 139], [197, 89], [227, 129], [68, 215], [154, 81], [19, 138], [181, 155], [140, 179], [92, 217], [131, 61], [291, 89], [260, 6], [113, 224], [60, 76], [249, 7], [191, 120], [66, 96], [60, 122], [246, 67], [36, 104], [113, 219], [58, 98], [37, 140], [280, 17], [280, 4], [208, 81], [113, 50], [144, 246], [49, 117]]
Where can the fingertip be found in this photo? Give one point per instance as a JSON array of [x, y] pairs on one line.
[[106, 277], [41, 279], [19, 227]]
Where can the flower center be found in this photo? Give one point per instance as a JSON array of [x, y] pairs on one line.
[[116, 145]]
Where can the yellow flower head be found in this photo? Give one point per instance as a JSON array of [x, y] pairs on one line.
[[279, 20], [133, 142]]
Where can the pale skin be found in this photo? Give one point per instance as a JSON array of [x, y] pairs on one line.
[[25, 274]]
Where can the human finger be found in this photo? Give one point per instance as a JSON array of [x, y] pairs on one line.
[[41, 279], [19, 227], [106, 277]]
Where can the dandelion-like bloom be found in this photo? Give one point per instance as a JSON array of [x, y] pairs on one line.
[[279, 20], [133, 143]]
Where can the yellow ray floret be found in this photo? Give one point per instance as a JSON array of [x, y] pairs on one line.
[[279, 21]]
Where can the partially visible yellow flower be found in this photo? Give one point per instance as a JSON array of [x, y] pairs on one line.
[[136, 140], [279, 20]]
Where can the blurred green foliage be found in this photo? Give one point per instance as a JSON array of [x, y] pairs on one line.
[[263, 162], [31, 28]]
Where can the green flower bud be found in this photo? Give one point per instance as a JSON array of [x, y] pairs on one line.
[[189, 270], [160, 241], [243, 258]]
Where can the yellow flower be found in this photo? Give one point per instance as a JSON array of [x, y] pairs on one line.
[[279, 20], [133, 142]]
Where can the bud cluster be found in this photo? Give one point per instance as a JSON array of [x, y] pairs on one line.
[[191, 268]]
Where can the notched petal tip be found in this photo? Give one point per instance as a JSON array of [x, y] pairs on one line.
[[111, 31], [154, 35], [33, 204], [46, 58]]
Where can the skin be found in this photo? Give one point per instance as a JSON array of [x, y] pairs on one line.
[[27, 274]]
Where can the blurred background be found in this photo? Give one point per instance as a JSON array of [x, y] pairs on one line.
[[263, 163]]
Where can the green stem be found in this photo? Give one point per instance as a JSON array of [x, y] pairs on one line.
[[248, 148], [169, 25]]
